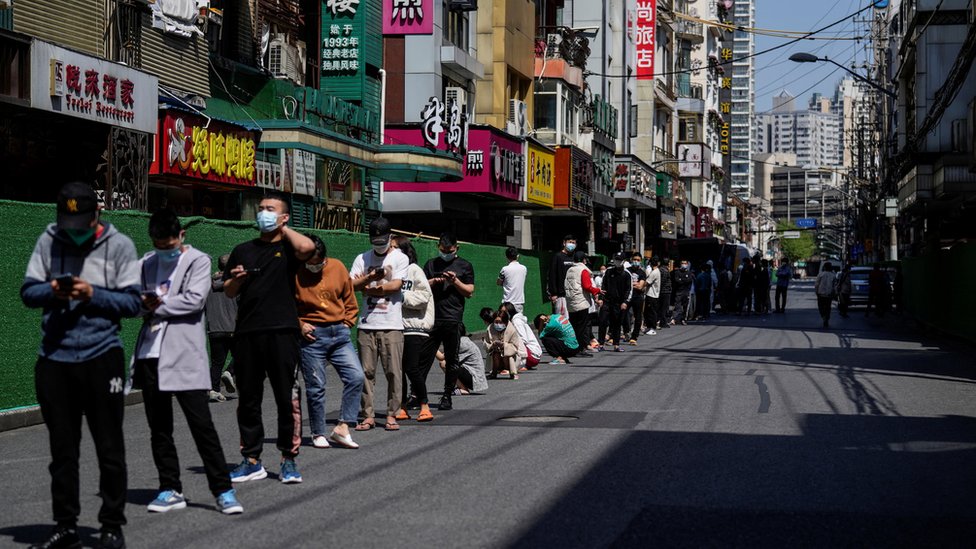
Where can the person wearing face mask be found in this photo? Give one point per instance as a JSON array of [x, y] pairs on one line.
[[379, 273], [664, 301], [561, 262], [580, 294], [267, 337], [618, 288], [171, 361], [84, 276], [682, 283], [327, 311], [451, 280], [505, 347], [221, 315]]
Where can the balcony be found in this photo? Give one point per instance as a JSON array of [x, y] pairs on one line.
[[692, 31]]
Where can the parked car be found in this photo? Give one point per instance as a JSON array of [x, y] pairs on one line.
[[859, 283]]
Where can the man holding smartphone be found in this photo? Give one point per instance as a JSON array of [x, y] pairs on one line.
[[451, 280], [84, 275], [266, 338]]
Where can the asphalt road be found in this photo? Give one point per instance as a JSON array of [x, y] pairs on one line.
[[760, 431]]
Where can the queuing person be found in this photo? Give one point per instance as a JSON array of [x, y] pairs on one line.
[[844, 289], [327, 311], [579, 299], [221, 315], [533, 348], [652, 305], [879, 291], [783, 276], [664, 301], [561, 262], [418, 320], [471, 366], [512, 280], [682, 281], [617, 289], [557, 336], [761, 287], [266, 338], [84, 276], [635, 306], [171, 361], [825, 290], [505, 347], [378, 273], [703, 292], [451, 280], [744, 286], [713, 301]]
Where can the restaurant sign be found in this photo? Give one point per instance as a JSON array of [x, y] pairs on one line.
[[216, 151], [540, 175]]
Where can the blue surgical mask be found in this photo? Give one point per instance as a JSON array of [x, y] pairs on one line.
[[168, 257], [570, 247], [267, 221], [499, 327], [448, 256]]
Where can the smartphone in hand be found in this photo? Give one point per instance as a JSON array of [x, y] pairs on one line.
[[65, 282]]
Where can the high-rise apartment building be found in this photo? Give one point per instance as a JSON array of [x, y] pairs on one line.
[[814, 136], [743, 97]]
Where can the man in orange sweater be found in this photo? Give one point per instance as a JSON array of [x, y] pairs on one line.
[[327, 309]]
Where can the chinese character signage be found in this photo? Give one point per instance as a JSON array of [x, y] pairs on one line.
[[646, 42], [703, 223], [78, 85], [215, 152], [340, 51], [540, 175], [408, 16], [448, 118], [574, 180], [298, 168], [493, 161]]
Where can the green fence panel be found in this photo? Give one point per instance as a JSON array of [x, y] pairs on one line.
[[20, 326], [938, 289]]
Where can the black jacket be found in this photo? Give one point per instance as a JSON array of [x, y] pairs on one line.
[[683, 279], [665, 279], [618, 284], [557, 274]]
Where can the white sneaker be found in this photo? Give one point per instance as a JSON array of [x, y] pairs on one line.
[[217, 397], [319, 441], [651, 333]]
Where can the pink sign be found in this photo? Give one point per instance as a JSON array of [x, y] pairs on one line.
[[408, 16], [493, 164]]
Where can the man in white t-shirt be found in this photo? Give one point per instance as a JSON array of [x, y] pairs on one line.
[[379, 274], [512, 280]]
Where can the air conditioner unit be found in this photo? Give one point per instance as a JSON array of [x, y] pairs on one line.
[[287, 61], [457, 95], [277, 57], [517, 117]]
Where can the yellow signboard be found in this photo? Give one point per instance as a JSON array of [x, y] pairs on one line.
[[540, 175]]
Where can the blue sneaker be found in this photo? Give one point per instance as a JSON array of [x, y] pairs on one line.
[[228, 504], [167, 500], [289, 472], [248, 471]]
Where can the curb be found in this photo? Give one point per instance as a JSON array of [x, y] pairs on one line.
[[31, 415]]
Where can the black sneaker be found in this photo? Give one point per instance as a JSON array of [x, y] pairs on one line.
[[445, 403], [111, 539], [412, 403], [61, 537]]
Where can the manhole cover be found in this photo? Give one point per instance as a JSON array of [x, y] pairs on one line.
[[539, 419]]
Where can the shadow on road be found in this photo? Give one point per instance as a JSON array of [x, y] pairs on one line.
[[875, 481]]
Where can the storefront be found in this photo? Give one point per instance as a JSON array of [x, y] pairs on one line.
[[203, 166]]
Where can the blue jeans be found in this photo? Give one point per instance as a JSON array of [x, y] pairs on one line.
[[334, 344]]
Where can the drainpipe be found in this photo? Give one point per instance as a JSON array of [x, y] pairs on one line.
[[382, 121]]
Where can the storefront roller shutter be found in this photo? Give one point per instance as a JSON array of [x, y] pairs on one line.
[[179, 62], [77, 24], [302, 212]]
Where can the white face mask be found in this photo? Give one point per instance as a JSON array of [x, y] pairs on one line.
[[381, 249], [315, 268]]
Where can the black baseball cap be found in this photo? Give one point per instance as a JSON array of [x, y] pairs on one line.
[[379, 231], [77, 205], [621, 256]]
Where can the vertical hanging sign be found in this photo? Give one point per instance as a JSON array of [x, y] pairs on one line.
[[645, 39]]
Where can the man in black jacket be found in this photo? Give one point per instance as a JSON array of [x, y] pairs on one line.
[[618, 287], [561, 262], [683, 280]]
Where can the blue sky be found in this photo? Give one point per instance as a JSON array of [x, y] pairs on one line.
[[774, 71]]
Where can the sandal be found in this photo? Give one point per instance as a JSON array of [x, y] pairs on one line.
[[402, 415], [365, 425], [425, 415], [392, 426]]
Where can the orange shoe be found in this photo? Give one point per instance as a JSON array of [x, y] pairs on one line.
[[425, 414], [402, 415]]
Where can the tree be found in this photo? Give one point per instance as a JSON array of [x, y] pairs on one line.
[[796, 249]]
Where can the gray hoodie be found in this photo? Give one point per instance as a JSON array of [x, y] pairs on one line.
[[76, 331]]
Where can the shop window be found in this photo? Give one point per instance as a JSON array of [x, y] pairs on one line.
[[302, 213]]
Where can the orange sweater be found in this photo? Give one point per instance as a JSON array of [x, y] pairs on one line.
[[326, 296]]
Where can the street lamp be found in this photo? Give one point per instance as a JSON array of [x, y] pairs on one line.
[[810, 58]]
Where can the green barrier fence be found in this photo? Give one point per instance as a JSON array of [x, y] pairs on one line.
[[24, 222], [938, 289]]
